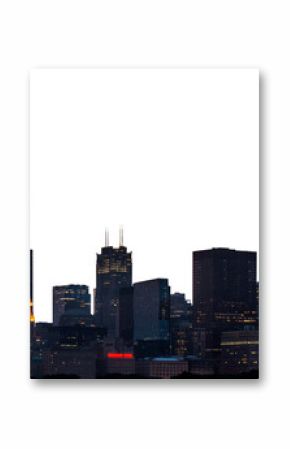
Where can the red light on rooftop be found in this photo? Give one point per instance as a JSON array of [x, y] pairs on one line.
[[118, 355]]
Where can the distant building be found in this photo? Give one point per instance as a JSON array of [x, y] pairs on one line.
[[41, 339], [181, 325], [182, 339], [161, 367], [179, 307], [224, 292], [239, 352], [200, 367], [114, 364], [113, 271], [151, 310], [152, 347], [70, 300], [77, 320], [74, 363]]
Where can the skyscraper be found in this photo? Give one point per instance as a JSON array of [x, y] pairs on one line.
[[74, 300], [224, 292], [151, 310], [113, 271]]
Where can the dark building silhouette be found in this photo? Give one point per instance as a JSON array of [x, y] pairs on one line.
[[181, 326], [74, 363], [65, 350], [224, 292], [126, 314], [161, 367], [70, 300], [77, 320], [151, 310], [114, 271], [180, 307], [239, 352], [116, 365]]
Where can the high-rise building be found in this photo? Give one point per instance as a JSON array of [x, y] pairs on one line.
[[73, 300], [224, 292], [113, 271], [151, 310]]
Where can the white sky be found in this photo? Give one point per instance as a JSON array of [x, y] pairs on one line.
[[171, 154]]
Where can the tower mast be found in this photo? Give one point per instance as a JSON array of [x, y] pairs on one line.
[[106, 237], [121, 236]]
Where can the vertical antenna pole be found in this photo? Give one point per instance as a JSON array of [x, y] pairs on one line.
[[121, 236], [106, 237]]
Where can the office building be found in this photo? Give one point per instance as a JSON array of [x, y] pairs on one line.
[[70, 300], [151, 310], [224, 292], [239, 352], [113, 271]]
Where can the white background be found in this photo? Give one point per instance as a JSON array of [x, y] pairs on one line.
[[125, 415], [172, 154]]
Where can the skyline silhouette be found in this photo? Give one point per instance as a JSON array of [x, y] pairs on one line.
[[144, 329], [91, 285]]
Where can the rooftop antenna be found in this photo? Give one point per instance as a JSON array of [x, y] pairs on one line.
[[106, 237], [121, 236]]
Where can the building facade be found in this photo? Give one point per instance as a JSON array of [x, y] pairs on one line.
[[70, 300], [224, 292], [239, 352], [151, 310], [113, 271]]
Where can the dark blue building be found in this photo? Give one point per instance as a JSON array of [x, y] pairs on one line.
[[151, 310]]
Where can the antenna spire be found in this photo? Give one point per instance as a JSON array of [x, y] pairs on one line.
[[121, 236], [106, 237]]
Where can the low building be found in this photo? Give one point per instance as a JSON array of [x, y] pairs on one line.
[[161, 367], [116, 364], [74, 363]]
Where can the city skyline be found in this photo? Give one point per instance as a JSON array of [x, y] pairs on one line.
[[108, 241], [144, 329], [108, 245]]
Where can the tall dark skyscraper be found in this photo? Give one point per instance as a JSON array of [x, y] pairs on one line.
[[224, 292], [151, 310], [71, 300], [114, 271]]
